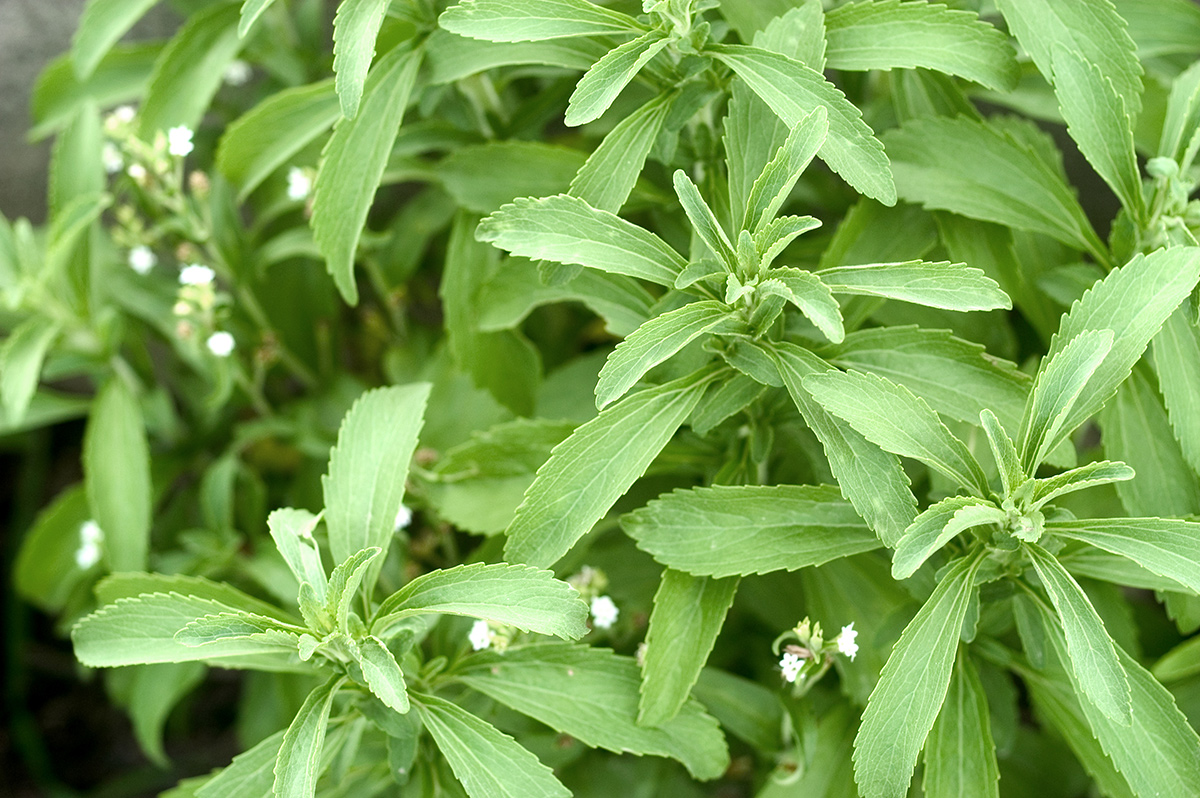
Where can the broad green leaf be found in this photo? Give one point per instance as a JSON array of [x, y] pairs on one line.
[[1133, 300], [952, 286], [933, 528], [451, 58], [354, 31], [103, 22], [534, 20], [611, 171], [1164, 546], [153, 691], [960, 755], [772, 187], [251, 11], [703, 220], [1180, 662], [870, 478], [747, 709], [566, 229], [810, 294], [898, 421], [655, 341], [75, 164], [594, 467], [368, 468], [189, 71], [1086, 476], [895, 35], [984, 172], [1008, 461], [489, 763], [604, 81], [1091, 28], [527, 598], [1093, 657], [21, 359], [689, 612], [741, 530], [1057, 388], [792, 90], [299, 762], [353, 162], [382, 674], [1176, 352], [912, 688], [731, 396], [592, 695], [116, 467], [133, 584], [266, 136], [292, 531], [1097, 120], [250, 774]]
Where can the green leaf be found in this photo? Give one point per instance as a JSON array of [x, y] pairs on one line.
[[773, 185], [292, 531], [251, 11], [609, 76], [912, 688], [46, 572], [190, 70], [133, 584], [792, 90], [103, 22], [605, 180], [689, 612], [483, 177], [229, 626], [249, 775], [355, 29], [808, 293], [870, 478], [1008, 462], [985, 172], [353, 162], [891, 35], [594, 467], [656, 341], [1181, 117], [592, 695], [265, 137], [896, 420], [299, 762], [451, 57], [741, 530], [75, 165], [952, 286], [1176, 351], [960, 756], [534, 20], [21, 359], [1164, 546], [1057, 388], [1180, 662], [567, 229], [1093, 657], [59, 93], [933, 528], [382, 674], [774, 237], [704, 222], [116, 467], [368, 468], [1086, 476], [753, 136], [489, 763], [527, 598], [344, 583]]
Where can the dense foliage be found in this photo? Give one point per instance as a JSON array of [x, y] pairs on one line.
[[515, 388]]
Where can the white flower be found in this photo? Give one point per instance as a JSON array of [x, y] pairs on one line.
[[179, 141], [111, 157], [136, 171], [480, 636], [845, 641], [403, 518], [604, 612], [141, 259], [124, 113], [299, 184], [790, 664], [195, 274], [220, 343], [90, 538], [238, 72]]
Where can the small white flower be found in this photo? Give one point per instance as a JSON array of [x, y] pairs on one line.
[[238, 72], [179, 141], [845, 641], [141, 259], [790, 664], [90, 538], [195, 274], [299, 184], [111, 157], [136, 171], [124, 113], [604, 612], [403, 518], [480, 636], [220, 343]]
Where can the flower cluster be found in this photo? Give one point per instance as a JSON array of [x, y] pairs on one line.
[[488, 634], [807, 656], [90, 539], [591, 583]]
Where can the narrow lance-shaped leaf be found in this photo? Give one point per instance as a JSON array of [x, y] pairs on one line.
[[21, 360], [594, 467], [249, 775], [912, 688], [689, 612], [299, 762], [741, 530], [344, 582], [960, 755], [611, 171], [810, 294], [1177, 361], [382, 674], [1098, 473], [604, 81], [1165, 546], [251, 11], [1093, 657], [703, 220], [1008, 461], [952, 286], [103, 22], [116, 463], [354, 30], [933, 528], [292, 531], [778, 177], [534, 20]]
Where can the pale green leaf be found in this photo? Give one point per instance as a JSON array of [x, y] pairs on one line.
[[292, 531], [1164, 546], [483, 177], [605, 180], [58, 93], [249, 775], [1086, 476], [251, 11], [451, 57], [116, 467], [382, 673], [753, 135], [704, 222], [1182, 114], [299, 762], [132, 584], [894, 35], [740, 530], [1180, 662], [1008, 461], [21, 359], [534, 20], [689, 612], [774, 237], [933, 528], [810, 294], [952, 286], [749, 710], [46, 572], [354, 31], [773, 185], [609, 76], [960, 755], [1176, 353], [154, 690], [229, 626], [344, 583], [912, 688], [103, 22]]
